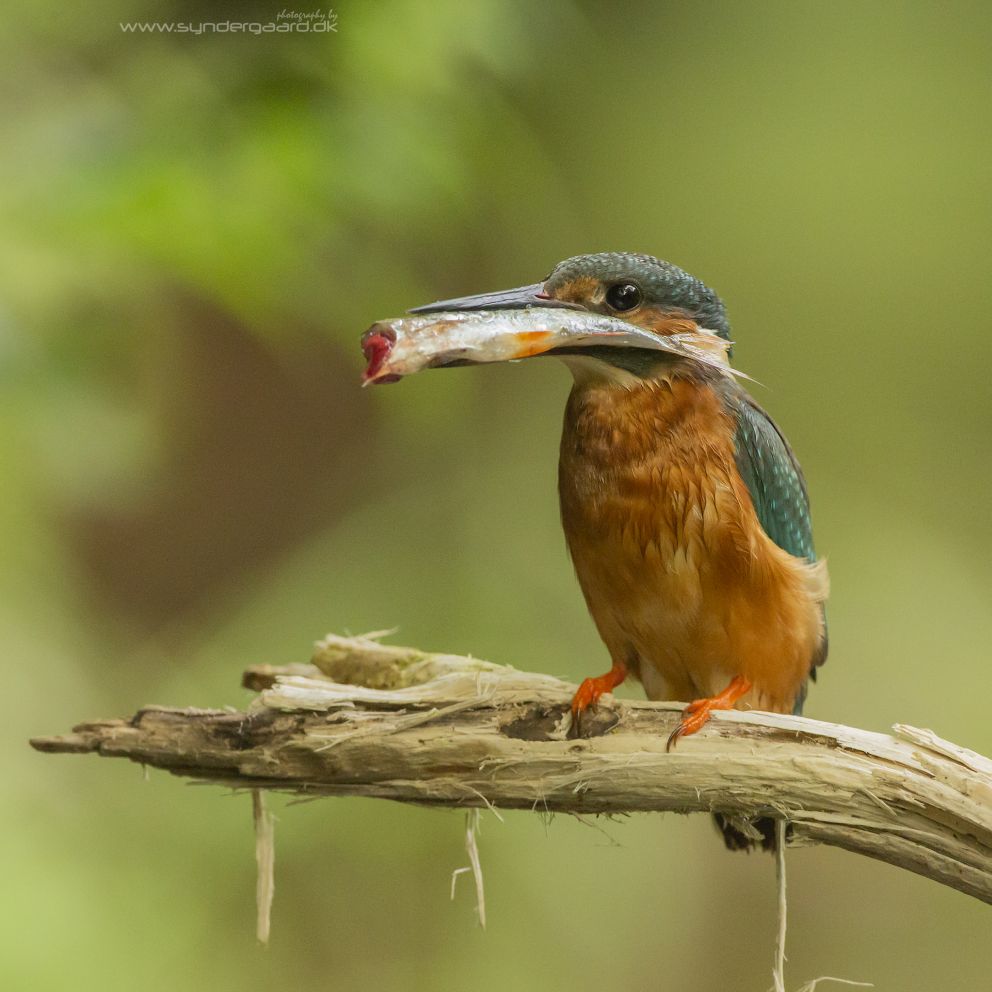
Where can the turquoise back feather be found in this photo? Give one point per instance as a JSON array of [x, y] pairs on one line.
[[775, 481]]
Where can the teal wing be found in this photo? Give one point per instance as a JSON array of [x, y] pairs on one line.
[[775, 481]]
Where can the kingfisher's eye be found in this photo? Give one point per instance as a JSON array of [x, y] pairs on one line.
[[623, 296]]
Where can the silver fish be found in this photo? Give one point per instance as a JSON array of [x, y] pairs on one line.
[[400, 347]]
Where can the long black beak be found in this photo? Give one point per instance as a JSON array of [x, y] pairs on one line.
[[507, 299]]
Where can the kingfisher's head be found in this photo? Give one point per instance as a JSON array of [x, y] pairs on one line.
[[639, 289], [642, 290]]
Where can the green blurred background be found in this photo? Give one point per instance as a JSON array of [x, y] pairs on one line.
[[194, 231]]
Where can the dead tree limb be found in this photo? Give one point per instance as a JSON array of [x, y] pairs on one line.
[[370, 720]]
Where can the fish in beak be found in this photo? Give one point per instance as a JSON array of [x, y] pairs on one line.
[[512, 325]]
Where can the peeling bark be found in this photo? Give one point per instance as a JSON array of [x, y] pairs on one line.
[[372, 720]]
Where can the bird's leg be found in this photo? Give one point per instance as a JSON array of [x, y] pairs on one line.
[[698, 711], [592, 688]]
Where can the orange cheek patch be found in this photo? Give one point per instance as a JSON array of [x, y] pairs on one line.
[[533, 343], [578, 290], [663, 322]]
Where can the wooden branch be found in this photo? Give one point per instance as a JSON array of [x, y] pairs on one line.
[[370, 720]]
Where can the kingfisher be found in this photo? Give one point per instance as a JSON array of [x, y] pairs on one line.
[[685, 511]]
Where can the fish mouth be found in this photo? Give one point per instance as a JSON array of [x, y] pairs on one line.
[[377, 345]]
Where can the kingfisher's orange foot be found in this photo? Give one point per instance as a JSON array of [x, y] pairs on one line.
[[592, 688], [698, 712]]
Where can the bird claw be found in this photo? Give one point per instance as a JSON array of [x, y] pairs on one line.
[[587, 695], [694, 716], [699, 711], [590, 691]]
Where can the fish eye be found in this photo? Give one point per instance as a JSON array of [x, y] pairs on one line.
[[623, 296]]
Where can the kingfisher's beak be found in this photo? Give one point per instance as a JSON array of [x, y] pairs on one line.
[[506, 299]]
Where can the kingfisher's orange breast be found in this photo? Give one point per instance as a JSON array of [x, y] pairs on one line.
[[682, 582]]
